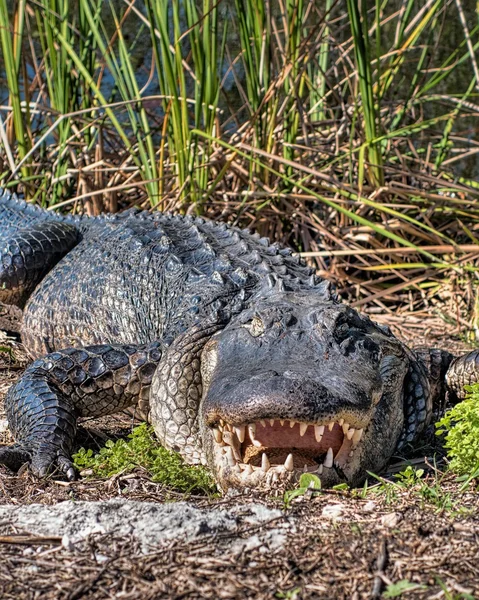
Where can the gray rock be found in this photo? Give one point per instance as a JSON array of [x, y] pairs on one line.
[[149, 523]]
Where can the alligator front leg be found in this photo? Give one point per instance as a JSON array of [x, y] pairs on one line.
[[463, 371], [43, 406], [424, 391], [27, 254]]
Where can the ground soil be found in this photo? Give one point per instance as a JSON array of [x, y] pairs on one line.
[[343, 544]]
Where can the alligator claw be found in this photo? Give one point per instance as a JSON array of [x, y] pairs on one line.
[[41, 462], [52, 462]]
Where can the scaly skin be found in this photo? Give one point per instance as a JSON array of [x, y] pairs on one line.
[[239, 356]]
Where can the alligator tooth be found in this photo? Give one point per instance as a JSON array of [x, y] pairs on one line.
[[328, 461], [252, 432], [248, 470], [358, 434], [275, 477], [345, 428], [263, 423], [265, 464], [288, 463], [282, 422], [222, 423], [240, 433], [341, 421], [351, 453], [292, 424], [318, 432], [271, 422], [229, 456], [303, 428], [320, 469], [350, 433], [218, 436], [331, 425], [305, 469], [229, 438]]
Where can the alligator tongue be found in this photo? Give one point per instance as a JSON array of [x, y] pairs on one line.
[[284, 436], [280, 440]]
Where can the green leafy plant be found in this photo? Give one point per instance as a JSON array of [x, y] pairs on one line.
[[460, 428], [409, 476], [142, 449], [307, 481]]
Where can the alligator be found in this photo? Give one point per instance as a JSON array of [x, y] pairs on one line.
[[240, 357]]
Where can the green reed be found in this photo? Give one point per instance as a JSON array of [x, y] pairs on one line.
[[302, 72]]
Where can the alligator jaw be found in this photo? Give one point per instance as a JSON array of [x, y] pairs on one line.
[[270, 452]]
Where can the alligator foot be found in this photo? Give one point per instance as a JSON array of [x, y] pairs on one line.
[[43, 406], [51, 460], [463, 371], [43, 461]]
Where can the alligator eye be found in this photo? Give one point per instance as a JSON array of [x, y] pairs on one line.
[[256, 327]]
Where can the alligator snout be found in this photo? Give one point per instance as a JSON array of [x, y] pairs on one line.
[[288, 395], [276, 425]]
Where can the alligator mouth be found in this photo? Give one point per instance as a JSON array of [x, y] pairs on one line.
[[277, 449]]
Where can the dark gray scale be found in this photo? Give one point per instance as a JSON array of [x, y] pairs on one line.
[[462, 372], [31, 244], [140, 280], [110, 292]]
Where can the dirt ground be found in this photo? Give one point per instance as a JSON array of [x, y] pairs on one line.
[[421, 539]]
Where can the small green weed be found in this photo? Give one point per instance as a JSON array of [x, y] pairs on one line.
[[460, 428], [293, 594], [307, 481], [143, 450], [7, 350], [448, 595], [431, 491], [409, 476], [394, 590]]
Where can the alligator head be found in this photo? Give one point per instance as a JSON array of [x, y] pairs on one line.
[[296, 382]]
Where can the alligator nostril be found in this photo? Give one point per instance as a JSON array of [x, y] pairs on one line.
[[347, 346]]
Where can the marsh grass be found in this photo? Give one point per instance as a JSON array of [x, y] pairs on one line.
[[330, 126]]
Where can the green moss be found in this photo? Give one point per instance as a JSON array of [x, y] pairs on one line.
[[460, 427], [142, 449]]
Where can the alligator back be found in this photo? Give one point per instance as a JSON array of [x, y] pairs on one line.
[[139, 277]]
